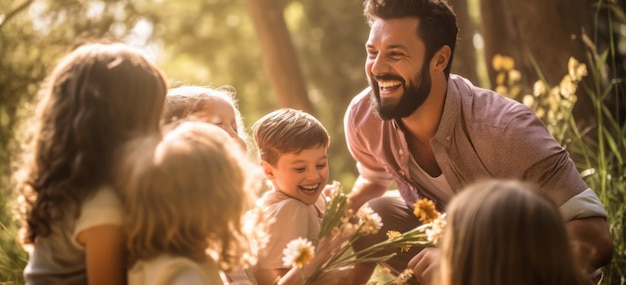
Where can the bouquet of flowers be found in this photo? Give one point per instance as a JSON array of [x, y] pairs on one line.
[[339, 220]]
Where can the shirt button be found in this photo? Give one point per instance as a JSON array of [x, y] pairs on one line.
[[401, 172], [401, 152]]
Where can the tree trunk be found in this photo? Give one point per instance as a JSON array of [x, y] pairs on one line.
[[279, 54], [547, 30], [464, 61]]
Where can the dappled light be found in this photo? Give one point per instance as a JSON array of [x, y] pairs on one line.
[[564, 60]]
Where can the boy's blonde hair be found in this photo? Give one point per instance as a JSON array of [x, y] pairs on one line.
[[185, 196], [287, 131]]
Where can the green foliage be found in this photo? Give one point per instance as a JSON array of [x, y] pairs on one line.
[[212, 42], [12, 257], [601, 147], [197, 42], [33, 35], [603, 151], [597, 148], [330, 40]]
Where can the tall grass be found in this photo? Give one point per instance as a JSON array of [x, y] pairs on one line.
[[597, 148], [602, 148], [12, 257]]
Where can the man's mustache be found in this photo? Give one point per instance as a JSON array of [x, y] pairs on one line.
[[388, 77]]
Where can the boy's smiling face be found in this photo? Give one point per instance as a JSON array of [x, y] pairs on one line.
[[301, 175]]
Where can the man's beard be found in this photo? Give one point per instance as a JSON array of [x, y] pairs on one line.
[[413, 96]]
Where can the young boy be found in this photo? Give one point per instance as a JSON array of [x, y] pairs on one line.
[[293, 148]]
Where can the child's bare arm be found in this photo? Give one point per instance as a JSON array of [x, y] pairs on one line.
[[104, 250]]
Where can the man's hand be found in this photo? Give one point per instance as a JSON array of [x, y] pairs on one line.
[[425, 266], [593, 235]]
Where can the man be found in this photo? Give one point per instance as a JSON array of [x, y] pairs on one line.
[[433, 133]]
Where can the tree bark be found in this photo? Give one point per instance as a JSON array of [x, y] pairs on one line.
[[464, 61], [547, 30], [279, 54]]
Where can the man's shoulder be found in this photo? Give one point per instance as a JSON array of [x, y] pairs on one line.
[[360, 110], [362, 99], [484, 104]]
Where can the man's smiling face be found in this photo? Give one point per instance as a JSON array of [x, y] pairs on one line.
[[396, 68]]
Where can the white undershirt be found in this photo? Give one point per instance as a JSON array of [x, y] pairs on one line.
[[435, 187]]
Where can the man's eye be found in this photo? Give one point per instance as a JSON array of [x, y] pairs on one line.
[[395, 56]]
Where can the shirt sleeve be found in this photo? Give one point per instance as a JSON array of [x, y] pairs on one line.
[[187, 276], [584, 205], [288, 222], [104, 208], [183, 271], [367, 164]]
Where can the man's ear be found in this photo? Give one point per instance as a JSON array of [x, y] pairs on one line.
[[268, 170], [441, 58]]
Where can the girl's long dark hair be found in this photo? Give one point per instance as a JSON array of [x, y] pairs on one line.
[[96, 99]]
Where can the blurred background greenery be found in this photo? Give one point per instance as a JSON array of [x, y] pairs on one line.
[[309, 54]]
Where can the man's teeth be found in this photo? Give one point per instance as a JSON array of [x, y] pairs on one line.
[[388, 84]]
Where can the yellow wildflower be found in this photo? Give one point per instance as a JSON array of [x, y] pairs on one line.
[[514, 76], [508, 63], [395, 234], [425, 210], [404, 277], [529, 100], [539, 88]]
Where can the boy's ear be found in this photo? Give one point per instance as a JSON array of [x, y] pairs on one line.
[[268, 170]]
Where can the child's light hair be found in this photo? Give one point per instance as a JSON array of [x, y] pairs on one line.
[[187, 101], [185, 196], [287, 131]]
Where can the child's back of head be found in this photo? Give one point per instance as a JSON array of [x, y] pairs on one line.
[[185, 196], [506, 232]]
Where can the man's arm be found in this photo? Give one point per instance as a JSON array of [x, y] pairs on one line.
[[594, 239], [363, 191]]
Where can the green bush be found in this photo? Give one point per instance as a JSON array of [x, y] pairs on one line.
[[12, 257], [602, 152], [597, 148]]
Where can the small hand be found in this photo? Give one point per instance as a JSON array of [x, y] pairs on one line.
[[425, 265], [328, 191]]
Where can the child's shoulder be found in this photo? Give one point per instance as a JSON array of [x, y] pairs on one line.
[[166, 269], [275, 203], [275, 198]]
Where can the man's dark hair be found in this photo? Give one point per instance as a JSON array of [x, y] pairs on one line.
[[437, 21]]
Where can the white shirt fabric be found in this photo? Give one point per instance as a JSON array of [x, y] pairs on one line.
[[175, 270], [59, 258]]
